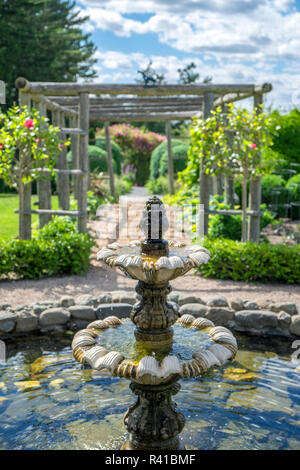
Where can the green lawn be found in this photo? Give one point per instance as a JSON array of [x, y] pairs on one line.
[[9, 220]]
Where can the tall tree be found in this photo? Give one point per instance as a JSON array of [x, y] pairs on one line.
[[43, 40]]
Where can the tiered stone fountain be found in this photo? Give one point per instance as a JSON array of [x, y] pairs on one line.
[[154, 422]]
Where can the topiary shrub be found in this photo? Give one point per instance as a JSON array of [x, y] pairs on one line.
[[115, 150], [179, 150], [157, 154], [97, 159]]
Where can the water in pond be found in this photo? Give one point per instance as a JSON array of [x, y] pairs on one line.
[[48, 401]]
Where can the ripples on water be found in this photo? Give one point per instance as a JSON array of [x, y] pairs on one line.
[[48, 401]]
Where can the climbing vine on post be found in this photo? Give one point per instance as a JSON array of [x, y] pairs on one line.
[[28, 144]]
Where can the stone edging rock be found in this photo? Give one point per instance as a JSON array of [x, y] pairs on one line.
[[280, 319]]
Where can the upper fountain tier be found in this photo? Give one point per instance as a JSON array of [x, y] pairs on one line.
[[154, 261]]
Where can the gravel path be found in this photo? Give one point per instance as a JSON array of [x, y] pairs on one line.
[[100, 279]]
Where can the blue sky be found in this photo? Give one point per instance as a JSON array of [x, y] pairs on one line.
[[234, 41]]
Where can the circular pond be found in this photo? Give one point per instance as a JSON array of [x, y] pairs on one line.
[[49, 401]]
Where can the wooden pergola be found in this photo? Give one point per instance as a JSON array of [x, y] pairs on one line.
[[82, 103]]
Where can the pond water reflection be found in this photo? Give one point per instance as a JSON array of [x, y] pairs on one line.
[[48, 401]]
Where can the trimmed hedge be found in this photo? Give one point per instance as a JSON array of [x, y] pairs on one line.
[[98, 159], [252, 262], [179, 163], [57, 249], [157, 155]]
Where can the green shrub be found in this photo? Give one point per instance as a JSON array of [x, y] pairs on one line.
[[227, 226], [230, 226], [4, 188], [115, 150], [93, 202], [130, 177], [97, 159], [179, 163], [158, 186], [57, 249], [267, 183], [252, 262], [157, 154], [294, 184], [286, 140], [123, 184]]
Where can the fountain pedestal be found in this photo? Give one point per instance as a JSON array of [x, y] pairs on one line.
[[153, 422], [153, 315]]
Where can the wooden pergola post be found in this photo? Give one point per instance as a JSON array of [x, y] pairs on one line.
[[218, 184], [44, 183], [229, 191], [110, 165], [83, 160], [24, 189], [75, 154], [170, 157], [228, 179], [255, 188], [208, 106], [63, 183]]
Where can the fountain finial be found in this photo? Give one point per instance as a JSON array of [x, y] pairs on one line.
[[154, 224]]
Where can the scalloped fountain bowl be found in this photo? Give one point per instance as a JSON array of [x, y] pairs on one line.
[[154, 269]]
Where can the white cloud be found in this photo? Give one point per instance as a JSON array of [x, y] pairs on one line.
[[245, 40], [238, 27]]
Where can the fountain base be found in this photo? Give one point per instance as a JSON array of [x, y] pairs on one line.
[[153, 422]]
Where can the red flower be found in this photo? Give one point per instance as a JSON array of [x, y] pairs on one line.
[[37, 140], [253, 146], [29, 123], [61, 146], [1, 146]]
